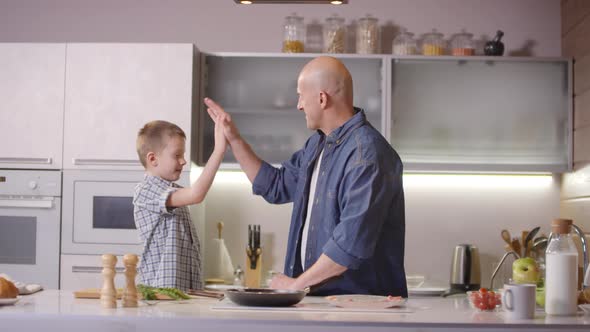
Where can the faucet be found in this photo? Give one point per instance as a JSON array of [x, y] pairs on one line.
[[580, 234]]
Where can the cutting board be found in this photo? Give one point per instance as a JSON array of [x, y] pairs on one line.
[[308, 305], [94, 293]]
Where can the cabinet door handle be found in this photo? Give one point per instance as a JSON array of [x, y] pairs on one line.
[[7, 160], [27, 203], [106, 162], [93, 269]]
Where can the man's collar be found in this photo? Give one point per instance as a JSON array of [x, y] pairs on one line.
[[338, 134]]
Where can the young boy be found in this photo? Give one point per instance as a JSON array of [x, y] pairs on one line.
[[171, 253]]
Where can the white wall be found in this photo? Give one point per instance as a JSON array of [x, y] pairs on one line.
[[221, 25], [440, 213]]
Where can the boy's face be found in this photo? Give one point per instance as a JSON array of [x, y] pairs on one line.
[[169, 162]]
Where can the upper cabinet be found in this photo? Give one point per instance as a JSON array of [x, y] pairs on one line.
[[482, 114], [259, 91], [32, 105], [112, 90], [463, 114]]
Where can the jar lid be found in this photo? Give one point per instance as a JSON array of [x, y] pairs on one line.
[[294, 17], [368, 18], [335, 19], [434, 33], [561, 226]]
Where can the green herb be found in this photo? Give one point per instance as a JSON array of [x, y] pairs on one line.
[[149, 292]]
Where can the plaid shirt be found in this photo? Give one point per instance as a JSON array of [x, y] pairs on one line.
[[171, 255]]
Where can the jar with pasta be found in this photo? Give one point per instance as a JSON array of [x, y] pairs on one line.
[[404, 44], [293, 34], [433, 43], [334, 35], [462, 44], [367, 35]]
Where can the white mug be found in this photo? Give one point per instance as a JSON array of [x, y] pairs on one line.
[[519, 300]]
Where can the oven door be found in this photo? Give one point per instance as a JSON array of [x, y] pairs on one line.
[[29, 240], [98, 212]]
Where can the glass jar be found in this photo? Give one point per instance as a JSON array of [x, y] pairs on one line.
[[404, 44], [334, 35], [433, 43], [561, 270], [293, 34], [462, 44], [367, 35]]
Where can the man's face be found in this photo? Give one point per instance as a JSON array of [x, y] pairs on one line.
[[309, 103], [170, 160]]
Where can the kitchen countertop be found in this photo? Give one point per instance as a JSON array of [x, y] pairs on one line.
[[56, 310]]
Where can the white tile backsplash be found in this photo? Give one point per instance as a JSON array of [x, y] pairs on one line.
[[441, 211]]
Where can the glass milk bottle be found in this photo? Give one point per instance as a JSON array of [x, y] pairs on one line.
[[561, 270]]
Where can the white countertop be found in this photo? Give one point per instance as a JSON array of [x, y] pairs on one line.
[[59, 310]]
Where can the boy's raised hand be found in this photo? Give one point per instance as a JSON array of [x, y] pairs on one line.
[[220, 140], [229, 129]]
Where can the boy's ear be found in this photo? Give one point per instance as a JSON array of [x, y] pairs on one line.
[[151, 159]]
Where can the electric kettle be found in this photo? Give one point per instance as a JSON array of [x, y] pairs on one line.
[[465, 269]]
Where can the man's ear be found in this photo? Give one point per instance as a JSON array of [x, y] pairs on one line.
[[323, 99], [151, 159]]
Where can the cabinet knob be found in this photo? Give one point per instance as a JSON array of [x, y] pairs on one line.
[[33, 184]]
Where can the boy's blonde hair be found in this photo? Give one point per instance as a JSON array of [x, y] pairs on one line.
[[151, 138]]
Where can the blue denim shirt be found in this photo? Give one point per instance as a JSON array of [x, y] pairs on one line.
[[358, 215]]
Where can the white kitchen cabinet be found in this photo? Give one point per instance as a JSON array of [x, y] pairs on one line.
[[482, 113], [112, 90], [78, 272], [260, 92], [458, 114], [32, 105]]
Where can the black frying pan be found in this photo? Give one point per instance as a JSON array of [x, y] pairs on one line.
[[264, 297]]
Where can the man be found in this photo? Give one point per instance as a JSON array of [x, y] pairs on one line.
[[346, 188]]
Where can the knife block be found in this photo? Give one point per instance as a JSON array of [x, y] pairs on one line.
[[252, 276]]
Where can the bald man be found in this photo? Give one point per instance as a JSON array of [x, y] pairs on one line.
[[348, 224]]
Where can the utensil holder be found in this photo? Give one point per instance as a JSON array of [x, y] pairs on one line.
[[253, 276]]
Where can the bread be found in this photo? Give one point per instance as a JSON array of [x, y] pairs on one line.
[[7, 289]]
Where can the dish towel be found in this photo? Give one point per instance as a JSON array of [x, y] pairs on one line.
[[23, 289]]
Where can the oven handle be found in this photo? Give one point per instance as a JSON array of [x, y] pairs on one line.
[[106, 162], [8, 160], [27, 203], [93, 269]]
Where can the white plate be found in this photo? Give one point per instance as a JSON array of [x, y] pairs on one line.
[[426, 291], [220, 287], [585, 307], [9, 301], [365, 301]]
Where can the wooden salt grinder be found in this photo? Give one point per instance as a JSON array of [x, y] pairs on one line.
[[108, 293], [130, 292]]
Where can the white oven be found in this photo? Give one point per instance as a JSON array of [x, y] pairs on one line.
[[98, 219], [98, 212], [29, 225]]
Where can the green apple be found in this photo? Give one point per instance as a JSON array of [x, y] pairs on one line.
[[525, 271], [540, 297]]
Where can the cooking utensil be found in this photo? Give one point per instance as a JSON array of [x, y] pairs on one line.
[[527, 241], [516, 246], [264, 297], [465, 269], [506, 237]]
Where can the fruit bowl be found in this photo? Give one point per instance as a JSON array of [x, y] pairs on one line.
[[484, 300]]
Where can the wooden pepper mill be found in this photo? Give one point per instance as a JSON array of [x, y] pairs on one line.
[[130, 292], [108, 293]]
